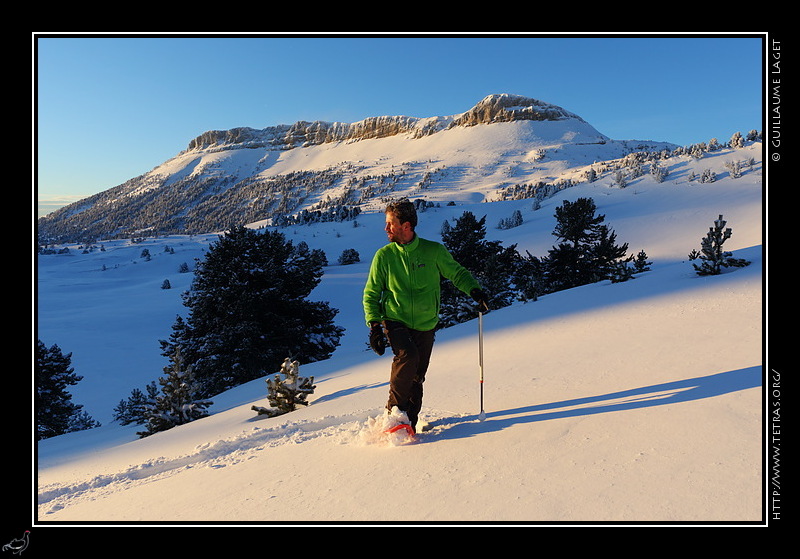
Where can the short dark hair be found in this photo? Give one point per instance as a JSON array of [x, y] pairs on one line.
[[404, 211]]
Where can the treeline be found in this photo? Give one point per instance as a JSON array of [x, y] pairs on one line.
[[152, 206], [187, 206], [586, 252], [635, 165]]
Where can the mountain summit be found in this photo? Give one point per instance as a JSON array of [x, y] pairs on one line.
[[329, 170], [507, 108]]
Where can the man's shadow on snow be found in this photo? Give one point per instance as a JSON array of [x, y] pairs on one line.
[[648, 396]]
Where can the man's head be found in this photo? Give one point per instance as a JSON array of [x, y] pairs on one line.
[[401, 220]]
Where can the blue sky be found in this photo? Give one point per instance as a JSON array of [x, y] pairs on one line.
[[108, 108]]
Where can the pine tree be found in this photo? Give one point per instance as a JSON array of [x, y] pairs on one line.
[[179, 401], [576, 222], [528, 277], [134, 409], [708, 176], [248, 309], [492, 265], [588, 251], [658, 172], [349, 256], [509, 223], [711, 253], [286, 390], [640, 263], [55, 412], [605, 254]]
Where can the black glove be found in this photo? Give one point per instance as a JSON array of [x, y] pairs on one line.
[[479, 295], [377, 340]]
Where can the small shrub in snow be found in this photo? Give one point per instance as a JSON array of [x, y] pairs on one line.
[[708, 176], [286, 390], [510, 222], [178, 402], [134, 409], [658, 172], [734, 168], [712, 257], [349, 256]]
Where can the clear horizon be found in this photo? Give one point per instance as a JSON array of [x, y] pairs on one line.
[[108, 108]]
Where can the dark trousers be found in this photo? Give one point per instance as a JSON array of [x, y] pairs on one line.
[[412, 354]]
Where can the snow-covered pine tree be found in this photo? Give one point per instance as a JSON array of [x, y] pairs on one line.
[[286, 390], [658, 172], [620, 178], [734, 169], [178, 402], [708, 176], [711, 254]]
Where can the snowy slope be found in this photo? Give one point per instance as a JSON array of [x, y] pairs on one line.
[[638, 401]]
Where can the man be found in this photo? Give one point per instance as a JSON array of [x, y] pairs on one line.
[[401, 301]]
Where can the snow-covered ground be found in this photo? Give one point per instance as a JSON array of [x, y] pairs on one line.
[[633, 402]]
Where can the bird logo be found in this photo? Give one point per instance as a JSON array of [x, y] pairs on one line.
[[18, 545]]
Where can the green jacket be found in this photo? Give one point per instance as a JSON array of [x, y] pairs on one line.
[[403, 283]]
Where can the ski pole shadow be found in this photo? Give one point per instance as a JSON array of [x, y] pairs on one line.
[[648, 396]]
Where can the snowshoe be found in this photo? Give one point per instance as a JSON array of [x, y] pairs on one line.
[[390, 428], [397, 426], [408, 428]]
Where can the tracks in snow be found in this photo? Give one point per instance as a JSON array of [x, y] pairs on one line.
[[347, 429]]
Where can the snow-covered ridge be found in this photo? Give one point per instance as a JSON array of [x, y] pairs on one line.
[[491, 109]]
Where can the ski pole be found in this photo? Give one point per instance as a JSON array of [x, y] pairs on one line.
[[482, 415]]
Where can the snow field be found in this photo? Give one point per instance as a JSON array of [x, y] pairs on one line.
[[631, 402]]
